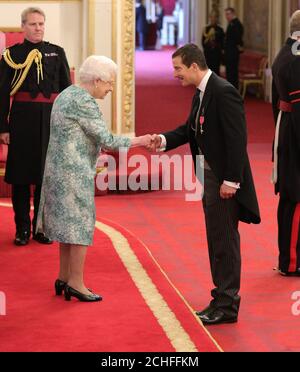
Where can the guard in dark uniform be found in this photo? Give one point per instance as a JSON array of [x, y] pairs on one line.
[[286, 173], [32, 74], [233, 47], [141, 24], [213, 44]]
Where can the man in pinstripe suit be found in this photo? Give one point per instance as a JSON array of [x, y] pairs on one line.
[[216, 128]]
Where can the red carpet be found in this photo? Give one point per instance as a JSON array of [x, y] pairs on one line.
[[173, 230], [36, 320], [177, 235]]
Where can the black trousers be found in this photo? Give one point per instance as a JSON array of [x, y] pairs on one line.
[[289, 235], [142, 40], [232, 68], [21, 205], [222, 219]]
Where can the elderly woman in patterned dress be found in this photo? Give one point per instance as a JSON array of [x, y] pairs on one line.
[[78, 131]]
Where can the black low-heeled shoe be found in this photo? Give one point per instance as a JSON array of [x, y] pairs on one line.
[[59, 287], [42, 239], [71, 292]]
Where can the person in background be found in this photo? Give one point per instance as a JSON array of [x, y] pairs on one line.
[[213, 43], [67, 208], [141, 24], [25, 127], [159, 12], [286, 173], [233, 46]]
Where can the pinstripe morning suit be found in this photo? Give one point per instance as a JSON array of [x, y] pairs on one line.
[[223, 142]]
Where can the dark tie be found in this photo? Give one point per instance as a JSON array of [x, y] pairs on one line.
[[196, 106]]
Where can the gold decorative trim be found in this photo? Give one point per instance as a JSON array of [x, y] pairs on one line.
[[91, 27], [11, 29], [128, 54], [174, 287], [173, 329], [114, 44], [2, 172]]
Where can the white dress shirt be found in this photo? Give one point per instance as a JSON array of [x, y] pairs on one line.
[[202, 88]]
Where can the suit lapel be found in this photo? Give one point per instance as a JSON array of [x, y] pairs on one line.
[[207, 94]]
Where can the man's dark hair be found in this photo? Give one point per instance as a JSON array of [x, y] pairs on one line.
[[230, 9], [191, 53]]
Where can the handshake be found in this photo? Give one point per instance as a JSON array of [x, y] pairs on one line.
[[151, 142]]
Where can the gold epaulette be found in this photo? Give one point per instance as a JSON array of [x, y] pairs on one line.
[[22, 69], [210, 35]]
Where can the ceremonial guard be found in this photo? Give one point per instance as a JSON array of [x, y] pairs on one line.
[[213, 44], [286, 173], [234, 46], [32, 74]]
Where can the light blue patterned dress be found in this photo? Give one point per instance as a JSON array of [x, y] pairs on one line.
[[78, 131]]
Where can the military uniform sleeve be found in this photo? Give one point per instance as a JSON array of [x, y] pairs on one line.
[[203, 37], [64, 74], [5, 86], [295, 97], [275, 100], [241, 35], [222, 38]]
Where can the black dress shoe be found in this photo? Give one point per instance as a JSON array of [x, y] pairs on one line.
[[206, 311], [71, 292], [59, 287], [22, 238], [41, 238], [217, 317]]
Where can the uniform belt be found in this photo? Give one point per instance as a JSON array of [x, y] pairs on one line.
[[285, 106], [25, 97]]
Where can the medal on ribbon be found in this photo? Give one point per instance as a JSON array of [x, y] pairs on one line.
[[201, 122]]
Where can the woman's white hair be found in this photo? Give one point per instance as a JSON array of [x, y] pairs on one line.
[[295, 23], [97, 67]]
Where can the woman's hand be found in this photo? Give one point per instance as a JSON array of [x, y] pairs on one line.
[[145, 141]]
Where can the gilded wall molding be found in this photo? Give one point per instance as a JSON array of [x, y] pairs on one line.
[[91, 27], [128, 54], [11, 29], [114, 58]]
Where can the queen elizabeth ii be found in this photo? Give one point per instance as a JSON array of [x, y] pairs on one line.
[[67, 208]]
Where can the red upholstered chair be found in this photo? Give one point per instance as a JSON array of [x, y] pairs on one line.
[[252, 72]]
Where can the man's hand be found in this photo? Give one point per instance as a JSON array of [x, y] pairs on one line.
[[155, 143], [227, 192], [4, 138]]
